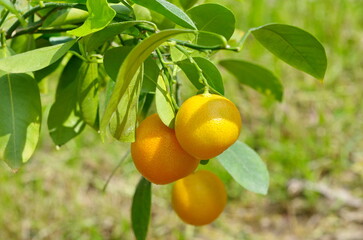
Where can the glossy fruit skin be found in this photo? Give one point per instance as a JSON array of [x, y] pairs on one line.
[[207, 124], [158, 155], [199, 198]]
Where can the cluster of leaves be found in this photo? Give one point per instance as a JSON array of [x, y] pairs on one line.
[[117, 57]]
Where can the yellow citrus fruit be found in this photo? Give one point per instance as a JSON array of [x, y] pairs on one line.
[[207, 124], [199, 198], [157, 154]]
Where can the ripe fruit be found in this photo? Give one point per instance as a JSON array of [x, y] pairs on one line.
[[207, 124], [199, 198], [157, 154]]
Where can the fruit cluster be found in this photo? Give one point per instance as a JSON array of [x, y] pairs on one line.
[[205, 126]]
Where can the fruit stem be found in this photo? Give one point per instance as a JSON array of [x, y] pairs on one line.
[[167, 76], [202, 78]]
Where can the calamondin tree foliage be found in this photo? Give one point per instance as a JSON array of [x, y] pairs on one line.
[[116, 60]]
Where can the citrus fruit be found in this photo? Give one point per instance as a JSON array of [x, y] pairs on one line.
[[157, 154], [207, 124], [199, 198]]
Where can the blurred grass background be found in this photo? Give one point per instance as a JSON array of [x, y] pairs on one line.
[[312, 143]]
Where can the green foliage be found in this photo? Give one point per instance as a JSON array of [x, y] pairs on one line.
[[246, 167], [43, 57], [164, 103], [141, 208], [114, 65], [198, 66], [64, 119], [21, 116], [294, 46], [255, 76], [132, 62], [213, 18], [100, 15], [88, 93], [168, 10]]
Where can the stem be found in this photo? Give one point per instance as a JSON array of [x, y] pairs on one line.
[[37, 8], [243, 39], [167, 76], [2, 39], [54, 30], [202, 78], [177, 85], [30, 29], [205, 48], [115, 169], [2, 20], [79, 56], [126, 4]]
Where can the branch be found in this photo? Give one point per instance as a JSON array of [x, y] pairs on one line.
[[9, 33], [205, 48]]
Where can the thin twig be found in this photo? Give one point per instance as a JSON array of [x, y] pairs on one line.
[[115, 169], [38, 8]]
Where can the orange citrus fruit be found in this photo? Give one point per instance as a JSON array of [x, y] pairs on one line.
[[207, 124], [199, 198], [157, 154]]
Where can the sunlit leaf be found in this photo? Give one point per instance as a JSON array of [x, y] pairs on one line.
[[10, 6], [164, 105], [168, 10], [100, 15], [129, 67], [214, 18], [95, 40], [246, 167], [20, 120], [43, 57], [123, 122], [294, 46]]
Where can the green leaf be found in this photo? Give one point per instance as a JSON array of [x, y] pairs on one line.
[[44, 72], [168, 10], [294, 46], [113, 60], [255, 76], [64, 120], [214, 18], [20, 120], [210, 72], [151, 73], [141, 209], [42, 57], [65, 16], [100, 15], [88, 93], [10, 6], [123, 122], [4, 53], [164, 105], [246, 167], [129, 67], [23, 43], [97, 39], [145, 104], [186, 4]]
